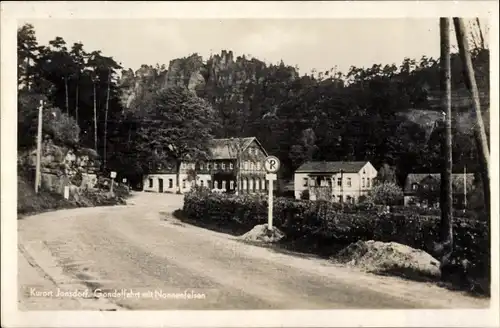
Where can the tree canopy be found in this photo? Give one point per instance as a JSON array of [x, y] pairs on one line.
[[386, 113]]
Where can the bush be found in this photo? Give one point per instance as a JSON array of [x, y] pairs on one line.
[[387, 193], [322, 227]]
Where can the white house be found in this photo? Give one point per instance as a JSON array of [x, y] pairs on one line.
[[219, 171], [339, 181]]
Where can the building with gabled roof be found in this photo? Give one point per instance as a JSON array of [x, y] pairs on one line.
[[429, 184], [338, 181], [228, 157]]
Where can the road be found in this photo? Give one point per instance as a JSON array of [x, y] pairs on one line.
[[141, 248]]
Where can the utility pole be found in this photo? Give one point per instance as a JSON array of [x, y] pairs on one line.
[[39, 147], [342, 188], [95, 118], [465, 187], [479, 130], [446, 183]]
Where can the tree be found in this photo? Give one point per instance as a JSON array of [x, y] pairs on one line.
[[27, 48], [386, 193], [386, 174], [78, 55], [177, 127]]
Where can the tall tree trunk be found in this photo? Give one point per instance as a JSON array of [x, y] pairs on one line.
[[106, 121], [177, 174], [446, 183], [76, 100], [67, 97], [95, 120], [479, 130], [28, 84], [481, 37]]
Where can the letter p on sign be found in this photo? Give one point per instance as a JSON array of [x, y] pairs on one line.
[[272, 164]]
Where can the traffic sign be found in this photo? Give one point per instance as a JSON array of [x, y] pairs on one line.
[[272, 164], [113, 174]]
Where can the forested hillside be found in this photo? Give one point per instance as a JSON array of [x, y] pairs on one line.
[[386, 113]]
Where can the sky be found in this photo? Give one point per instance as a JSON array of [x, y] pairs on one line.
[[319, 44]]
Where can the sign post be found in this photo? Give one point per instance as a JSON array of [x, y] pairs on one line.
[[272, 165], [113, 176]]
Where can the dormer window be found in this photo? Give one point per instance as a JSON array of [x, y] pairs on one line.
[[223, 165], [414, 186]]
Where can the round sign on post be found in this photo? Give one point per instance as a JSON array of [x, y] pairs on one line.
[[272, 164]]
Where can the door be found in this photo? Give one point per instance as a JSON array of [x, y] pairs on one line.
[[160, 185]]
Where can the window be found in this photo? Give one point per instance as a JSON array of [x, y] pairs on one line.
[[230, 166], [223, 165], [201, 166], [340, 199], [251, 165], [258, 166], [250, 184], [231, 184], [150, 183], [368, 182], [339, 182], [305, 182], [215, 166], [208, 166], [184, 183], [363, 183], [170, 183], [257, 184], [223, 184], [414, 186], [245, 165], [349, 182], [201, 183], [208, 183], [216, 184], [263, 184]]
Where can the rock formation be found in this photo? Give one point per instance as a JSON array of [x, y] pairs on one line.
[[63, 166]]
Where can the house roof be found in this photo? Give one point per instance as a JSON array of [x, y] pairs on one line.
[[228, 148], [330, 167], [457, 180]]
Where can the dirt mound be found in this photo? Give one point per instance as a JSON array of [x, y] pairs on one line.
[[391, 258], [260, 233]]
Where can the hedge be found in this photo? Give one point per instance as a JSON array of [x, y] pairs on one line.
[[324, 228]]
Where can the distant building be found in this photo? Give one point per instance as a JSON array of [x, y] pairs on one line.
[[339, 181], [219, 171], [424, 188]]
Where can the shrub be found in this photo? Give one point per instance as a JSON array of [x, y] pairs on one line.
[[387, 193], [323, 227]]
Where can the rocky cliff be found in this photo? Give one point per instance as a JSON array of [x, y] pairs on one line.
[[62, 166], [219, 77]]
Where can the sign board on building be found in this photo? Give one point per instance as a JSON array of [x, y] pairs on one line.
[[272, 164], [113, 174], [124, 180]]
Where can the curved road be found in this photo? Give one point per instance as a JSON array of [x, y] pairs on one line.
[[141, 248]]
